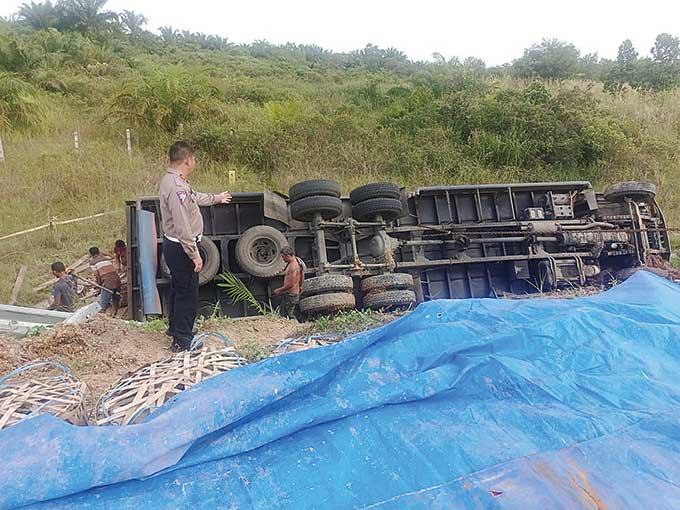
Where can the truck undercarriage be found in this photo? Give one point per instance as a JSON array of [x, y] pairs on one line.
[[384, 247]]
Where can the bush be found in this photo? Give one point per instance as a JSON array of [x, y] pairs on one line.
[[532, 127], [165, 98], [20, 103]]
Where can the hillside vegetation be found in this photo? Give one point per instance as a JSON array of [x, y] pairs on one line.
[[279, 114]]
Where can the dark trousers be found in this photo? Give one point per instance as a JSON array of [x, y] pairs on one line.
[[289, 303], [183, 301]]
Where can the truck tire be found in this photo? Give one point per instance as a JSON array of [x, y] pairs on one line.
[[390, 299], [327, 303], [374, 190], [211, 262], [322, 187], [258, 251], [634, 189], [304, 209], [327, 283], [389, 208], [383, 282]]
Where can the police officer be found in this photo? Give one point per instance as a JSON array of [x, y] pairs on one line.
[[183, 229]]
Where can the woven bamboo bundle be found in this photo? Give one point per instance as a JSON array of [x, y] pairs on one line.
[[136, 396], [23, 395], [305, 342]]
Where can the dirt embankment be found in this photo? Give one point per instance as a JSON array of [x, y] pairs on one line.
[[103, 350]]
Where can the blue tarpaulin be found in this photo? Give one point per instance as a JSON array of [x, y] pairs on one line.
[[473, 404]]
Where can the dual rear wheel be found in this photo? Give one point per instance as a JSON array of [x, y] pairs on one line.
[[332, 293], [322, 197]]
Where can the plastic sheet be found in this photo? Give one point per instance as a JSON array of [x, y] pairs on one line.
[[148, 259], [484, 404]]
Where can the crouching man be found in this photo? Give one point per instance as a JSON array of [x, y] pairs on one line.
[[64, 291], [106, 276], [294, 278]]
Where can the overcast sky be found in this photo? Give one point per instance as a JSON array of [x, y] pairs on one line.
[[495, 30]]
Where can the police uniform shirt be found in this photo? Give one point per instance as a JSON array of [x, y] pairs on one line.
[[180, 213]]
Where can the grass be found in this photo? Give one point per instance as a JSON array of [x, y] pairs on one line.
[[253, 350], [349, 322], [153, 325]]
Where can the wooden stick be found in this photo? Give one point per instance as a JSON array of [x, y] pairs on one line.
[[17, 284], [91, 283], [75, 267]]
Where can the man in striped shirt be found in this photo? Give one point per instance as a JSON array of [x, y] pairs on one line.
[[106, 276]]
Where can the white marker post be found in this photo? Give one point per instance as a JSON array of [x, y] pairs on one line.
[[75, 140], [232, 176], [181, 129], [128, 141], [2, 152]]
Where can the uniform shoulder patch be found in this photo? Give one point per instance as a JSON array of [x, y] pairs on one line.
[[182, 195]]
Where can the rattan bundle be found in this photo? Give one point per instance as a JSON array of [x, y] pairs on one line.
[[305, 342], [24, 394], [136, 396]]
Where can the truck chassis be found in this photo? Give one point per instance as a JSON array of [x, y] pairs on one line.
[[477, 241]]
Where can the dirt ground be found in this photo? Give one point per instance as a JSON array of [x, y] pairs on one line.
[[103, 350]]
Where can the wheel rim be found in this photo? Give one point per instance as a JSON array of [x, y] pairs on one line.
[[264, 251]]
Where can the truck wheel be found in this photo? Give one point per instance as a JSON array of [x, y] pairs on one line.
[[327, 283], [327, 303], [322, 187], [374, 190], [393, 281], [258, 251], [388, 208], [211, 262], [390, 299], [633, 189], [304, 209]]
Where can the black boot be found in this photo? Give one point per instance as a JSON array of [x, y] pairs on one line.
[[180, 344]]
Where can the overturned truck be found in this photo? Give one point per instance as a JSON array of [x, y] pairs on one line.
[[384, 247]]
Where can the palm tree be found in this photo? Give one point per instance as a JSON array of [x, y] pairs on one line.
[[394, 54], [215, 42], [168, 34], [88, 15], [39, 16], [132, 22]]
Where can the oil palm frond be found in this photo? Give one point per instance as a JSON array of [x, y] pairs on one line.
[[239, 293]]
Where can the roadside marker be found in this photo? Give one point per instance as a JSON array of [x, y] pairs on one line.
[[2, 152], [75, 139], [232, 176], [128, 141]]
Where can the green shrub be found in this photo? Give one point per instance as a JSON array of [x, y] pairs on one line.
[[165, 98], [20, 103]]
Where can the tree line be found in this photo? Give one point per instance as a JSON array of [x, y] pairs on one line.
[[550, 59]]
